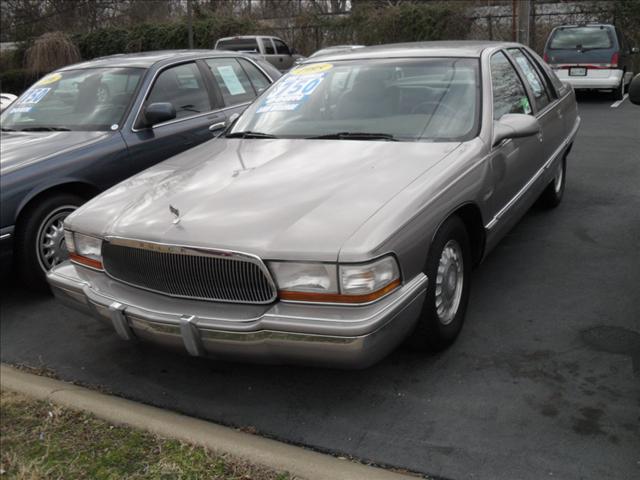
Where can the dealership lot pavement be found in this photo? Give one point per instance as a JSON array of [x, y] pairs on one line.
[[544, 381]]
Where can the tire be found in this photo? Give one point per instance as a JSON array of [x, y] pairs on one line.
[[618, 92], [552, 195], [44, 219], [438, 328]]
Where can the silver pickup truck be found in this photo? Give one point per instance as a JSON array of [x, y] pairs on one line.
[[273, 49]]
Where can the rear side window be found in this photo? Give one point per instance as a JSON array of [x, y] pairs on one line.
[[239, 45], [581, 38], [509, 94], [258, 79], [268, 46], [184, 87], [540, 94], [232, 81]]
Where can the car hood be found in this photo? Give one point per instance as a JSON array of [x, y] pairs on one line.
[[287, 199], [18, 149]]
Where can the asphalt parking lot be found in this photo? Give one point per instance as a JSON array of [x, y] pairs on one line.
[[544, 381]]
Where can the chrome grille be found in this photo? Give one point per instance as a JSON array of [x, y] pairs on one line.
[[189, 272]]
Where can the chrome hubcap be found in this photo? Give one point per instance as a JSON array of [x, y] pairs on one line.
[[51, 247], [557, 184], [449, 282]]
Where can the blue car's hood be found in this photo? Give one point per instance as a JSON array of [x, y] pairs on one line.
[[18, 149]]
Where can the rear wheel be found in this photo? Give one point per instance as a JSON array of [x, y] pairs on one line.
[[618, 92], [40, 238], [552, 195], [449, 272]]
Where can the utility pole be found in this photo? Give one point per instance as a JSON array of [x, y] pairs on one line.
[[190, 24], [524, 14]]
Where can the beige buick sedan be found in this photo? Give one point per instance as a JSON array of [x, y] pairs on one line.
[[341, 213]]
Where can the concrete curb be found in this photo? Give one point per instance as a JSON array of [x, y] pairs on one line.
[[279, 456]]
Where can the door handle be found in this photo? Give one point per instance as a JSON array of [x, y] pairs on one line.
[[217, 126]]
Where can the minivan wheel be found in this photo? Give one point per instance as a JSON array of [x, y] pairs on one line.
[[448, 269], [552, 195], [40, 242], [618, 92]]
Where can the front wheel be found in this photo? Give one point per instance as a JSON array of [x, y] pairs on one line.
[[449, 272], [40, 241]]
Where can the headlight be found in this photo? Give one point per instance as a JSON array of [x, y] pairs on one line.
[[331, 283], [84, 249]]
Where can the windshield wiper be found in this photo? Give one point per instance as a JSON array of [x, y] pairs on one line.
[[7, 129], [45, 129], [250, 134], [355, 136]]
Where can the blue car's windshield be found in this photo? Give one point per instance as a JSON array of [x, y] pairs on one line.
[[432, 99], [93, 99]]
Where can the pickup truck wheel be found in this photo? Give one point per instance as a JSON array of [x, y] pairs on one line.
[[552, 195], [449, 272], [40, 238]]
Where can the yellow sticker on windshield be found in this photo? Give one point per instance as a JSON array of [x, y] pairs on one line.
[[53, 78], [311, 69]]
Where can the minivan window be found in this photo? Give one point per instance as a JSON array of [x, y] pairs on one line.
[[239, 45], [581, 38]]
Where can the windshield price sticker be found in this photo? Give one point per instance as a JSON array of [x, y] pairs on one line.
[[20, 110], [292, 92], [53, 78], [312, 69], [35, 95]]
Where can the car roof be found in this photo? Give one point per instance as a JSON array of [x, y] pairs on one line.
[[453, 48], [243, 37], [146, 59], [574, 25]]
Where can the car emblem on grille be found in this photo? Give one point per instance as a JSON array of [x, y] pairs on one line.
[[176, 212]]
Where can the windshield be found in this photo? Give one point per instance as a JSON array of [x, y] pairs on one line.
[[93, 99], [581, 38], [434, 99]]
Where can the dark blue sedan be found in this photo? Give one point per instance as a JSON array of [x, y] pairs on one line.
[[85, 127]]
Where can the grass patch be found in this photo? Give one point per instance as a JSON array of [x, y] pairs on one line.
[[40, 440]]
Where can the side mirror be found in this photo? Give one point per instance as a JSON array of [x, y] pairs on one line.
[[634, 90], [514, 125], [159, 112]]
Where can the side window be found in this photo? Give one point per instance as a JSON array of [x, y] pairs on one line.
[[540, 94], [268, 46], [184, 87], [258, 80], [509, 95], [281, 47], [553, 84], [232, 81]]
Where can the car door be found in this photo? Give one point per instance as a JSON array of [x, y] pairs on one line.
[[513, 161], [285, 61], [197, 108], [237, 89], [545, 104]]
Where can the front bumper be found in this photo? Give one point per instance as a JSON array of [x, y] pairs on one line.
[[595, 79], [327, 335]]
